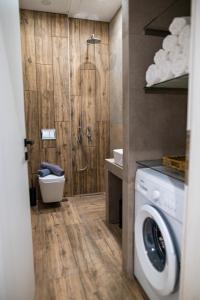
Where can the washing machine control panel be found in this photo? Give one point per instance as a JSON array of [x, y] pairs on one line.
[[163, 194], [164, 200]]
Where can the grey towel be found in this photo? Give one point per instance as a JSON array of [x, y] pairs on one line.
[[44, 172], [54, 169]]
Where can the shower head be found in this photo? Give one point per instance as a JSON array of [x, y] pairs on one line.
[[93, 40]]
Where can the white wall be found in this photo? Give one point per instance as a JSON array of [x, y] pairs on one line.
[[16, 257], [116, 101], [9, 16], [190, 275]]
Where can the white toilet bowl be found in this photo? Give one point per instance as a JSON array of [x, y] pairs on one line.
[[52, 188]]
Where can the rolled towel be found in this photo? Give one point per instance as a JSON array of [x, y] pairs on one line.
[[170, 42], [55, 169], [160, 56], [174, 53], [44, 172], [178, 23], [186, 50], [184, 36], [165, 72], [152, 76], [180, 65]]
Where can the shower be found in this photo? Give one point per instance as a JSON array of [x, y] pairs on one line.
[[93, 39]]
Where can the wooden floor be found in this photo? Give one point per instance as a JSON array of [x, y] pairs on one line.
[[76, 256]]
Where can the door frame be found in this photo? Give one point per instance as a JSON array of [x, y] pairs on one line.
[[190, 274]]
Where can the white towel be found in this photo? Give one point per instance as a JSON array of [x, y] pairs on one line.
[[180, 65], [164, 71], [174, 53], [178, 23], [160, 56], [152, 75], [184, 36], [170, 42]]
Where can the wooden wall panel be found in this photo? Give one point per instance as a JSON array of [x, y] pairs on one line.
[[32, 129], [49, 155], [61, 73], [44, 78], [59, 25], [43, 49], [64, 156], [43, 23], [43, 38], [78, 159], [45, 96], [101, 30], [28, 50], [92, 183], [103, 151], [75, 57], [88, 90], [102, 82], [66, 88], [31, 115]]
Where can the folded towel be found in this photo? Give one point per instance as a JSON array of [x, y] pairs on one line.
[[174, 53], [164, 71], [180, 65], [177, 24], [152, 76], [170, 42], [44, 172], [184, 36], [55, 169], [160, 56]]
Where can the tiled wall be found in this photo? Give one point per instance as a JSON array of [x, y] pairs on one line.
[[66, 87]]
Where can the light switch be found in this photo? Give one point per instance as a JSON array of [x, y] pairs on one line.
[[48, 134]]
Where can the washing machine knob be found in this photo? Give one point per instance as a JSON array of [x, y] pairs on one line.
[[156, 196]]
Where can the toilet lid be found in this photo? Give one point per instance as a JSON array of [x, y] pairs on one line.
[[52, 178]]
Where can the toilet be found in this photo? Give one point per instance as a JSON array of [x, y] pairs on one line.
[[52, 188]]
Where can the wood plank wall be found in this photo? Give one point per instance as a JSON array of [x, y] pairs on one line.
[[66, 87]]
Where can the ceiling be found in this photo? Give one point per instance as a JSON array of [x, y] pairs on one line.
[[101, 10]]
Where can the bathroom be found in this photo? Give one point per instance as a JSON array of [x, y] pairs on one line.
[[99, 193]]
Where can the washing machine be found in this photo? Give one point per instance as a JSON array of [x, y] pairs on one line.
[[159, 216]]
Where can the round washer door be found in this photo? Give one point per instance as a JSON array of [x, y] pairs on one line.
[[155, 250]]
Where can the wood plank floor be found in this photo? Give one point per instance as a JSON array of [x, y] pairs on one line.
[[77, 257]]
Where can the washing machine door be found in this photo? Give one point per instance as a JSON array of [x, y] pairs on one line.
[[155, 250]]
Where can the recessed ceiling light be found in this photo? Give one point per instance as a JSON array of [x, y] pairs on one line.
[[46, 2]]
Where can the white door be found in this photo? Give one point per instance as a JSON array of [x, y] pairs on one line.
[[190, 271], [16, 257]]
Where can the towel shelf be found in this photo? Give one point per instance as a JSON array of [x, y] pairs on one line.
[[178, 84], [159, 25]]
